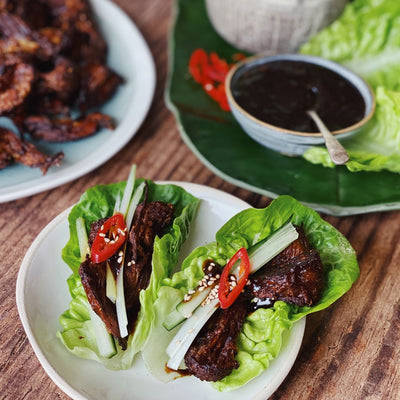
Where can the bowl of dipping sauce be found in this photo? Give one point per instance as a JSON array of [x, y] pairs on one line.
[[270, 95]]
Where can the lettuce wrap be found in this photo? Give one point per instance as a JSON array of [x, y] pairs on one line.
[[98, 202], [261, 337], [366, 39]]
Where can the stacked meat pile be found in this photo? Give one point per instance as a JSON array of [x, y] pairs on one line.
[[52, 75]]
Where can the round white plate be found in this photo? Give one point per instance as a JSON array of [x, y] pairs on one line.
[[42, 296], [130, 56]]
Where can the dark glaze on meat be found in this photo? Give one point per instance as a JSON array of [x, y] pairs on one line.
[[212, 354], [295, 276], [150, 220]]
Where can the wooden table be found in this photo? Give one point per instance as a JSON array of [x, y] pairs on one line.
[[350, 351]]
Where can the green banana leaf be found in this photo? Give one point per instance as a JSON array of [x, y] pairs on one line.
[[219, 142]]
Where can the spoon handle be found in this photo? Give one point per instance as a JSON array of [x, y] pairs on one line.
[[336, 151]]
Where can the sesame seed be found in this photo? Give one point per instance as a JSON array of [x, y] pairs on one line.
[[102, 227], [106, 240], [210, 267], [218, 276], [119, 260], [121, 253], [201, 288], [191, 330], [102, 234], [191, 291]]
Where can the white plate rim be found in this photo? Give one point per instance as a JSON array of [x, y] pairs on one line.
[[296, 335], [125, 129]]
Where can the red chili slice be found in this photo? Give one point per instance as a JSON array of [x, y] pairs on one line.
[[110, 237], [227, 294], [210, 71]]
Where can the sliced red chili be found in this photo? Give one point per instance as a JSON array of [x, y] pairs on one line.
[[198, 60], [210, 71], [227, 293], [110, 237]]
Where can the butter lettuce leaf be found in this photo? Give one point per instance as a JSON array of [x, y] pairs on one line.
[[377, 145], [98, 202], [366, 39], [260, 340]]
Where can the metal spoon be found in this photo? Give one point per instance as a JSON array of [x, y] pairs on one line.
[[336, 151]]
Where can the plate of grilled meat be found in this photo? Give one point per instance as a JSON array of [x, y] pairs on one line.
[[74, 89]]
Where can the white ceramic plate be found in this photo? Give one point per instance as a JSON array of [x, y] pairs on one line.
[[130, 56], [42, 296]]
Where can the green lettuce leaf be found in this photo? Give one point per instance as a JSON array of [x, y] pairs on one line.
[[98, 202], [377, 145], [366, 39], [261, 338]]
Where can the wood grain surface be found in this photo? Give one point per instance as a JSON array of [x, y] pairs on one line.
[[350, 351]]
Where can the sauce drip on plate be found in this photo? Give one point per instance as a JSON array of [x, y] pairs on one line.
[[281, 92]]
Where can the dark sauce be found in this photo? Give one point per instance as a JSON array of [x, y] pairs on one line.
[[211, 268], [280, 93]]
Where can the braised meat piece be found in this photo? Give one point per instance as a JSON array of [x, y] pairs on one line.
[[211, 356], [150, 220], [12, 148], [295, 276], [66, 129]]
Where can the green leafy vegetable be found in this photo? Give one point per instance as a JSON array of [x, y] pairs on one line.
[[98, 202], [366, 39], [261, 337]]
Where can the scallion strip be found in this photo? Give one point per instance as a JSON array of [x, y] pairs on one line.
[[130, 185]]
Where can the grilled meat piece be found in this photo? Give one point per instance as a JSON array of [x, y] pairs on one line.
[[12, 148], [295, 276], [93, 277], [15, 85], [61, 82], [211, 356], [98, 84], [150, 220], [66, 129]]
